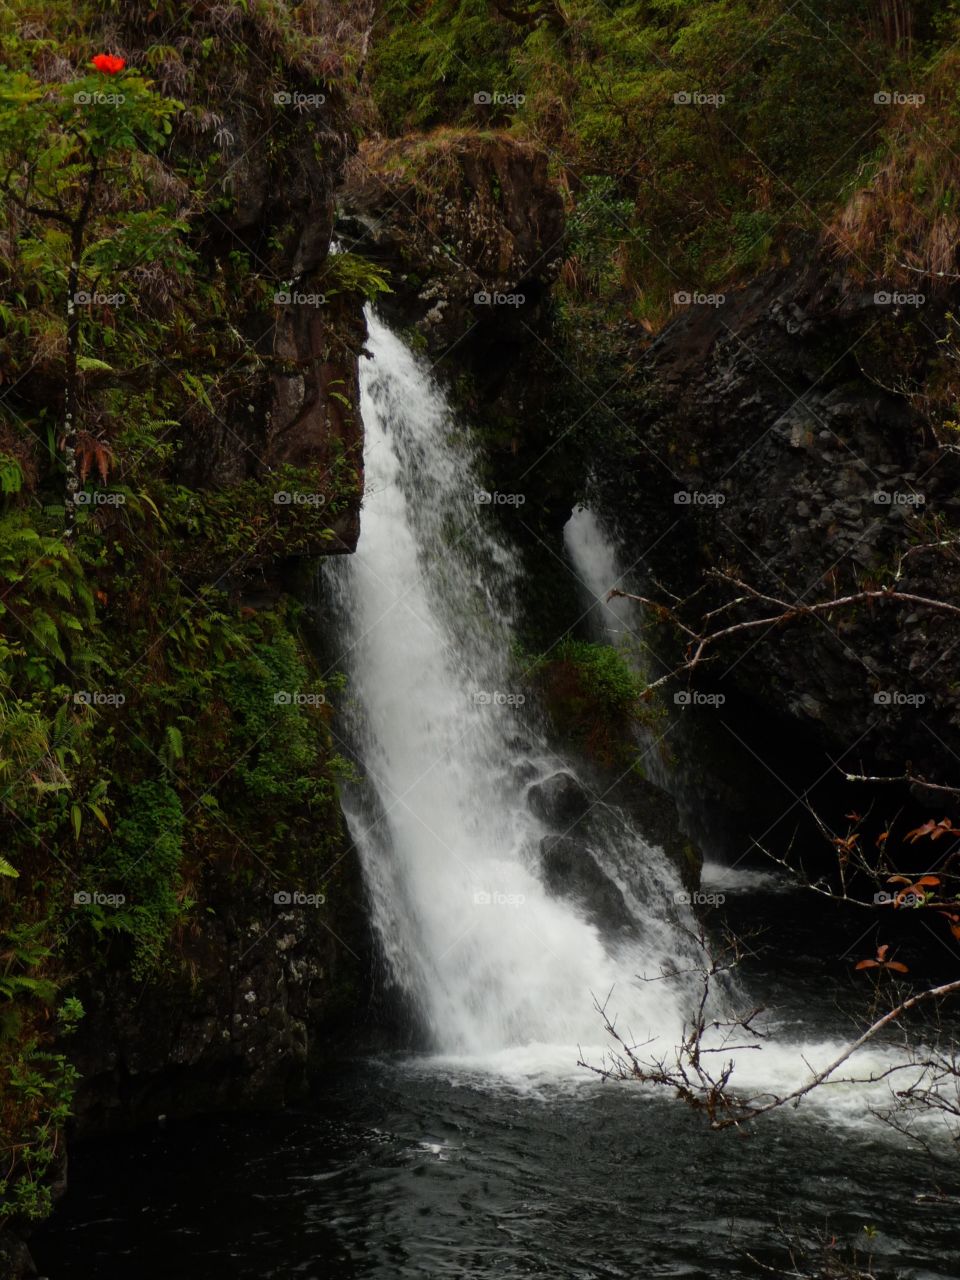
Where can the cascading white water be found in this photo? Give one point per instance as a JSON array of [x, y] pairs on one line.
[[447, 747], [503, 974], [784, 1061]]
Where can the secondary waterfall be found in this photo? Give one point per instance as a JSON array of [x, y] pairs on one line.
[[448, 746]]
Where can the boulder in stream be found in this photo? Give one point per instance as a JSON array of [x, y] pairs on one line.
[[571, 871], [559, 800]]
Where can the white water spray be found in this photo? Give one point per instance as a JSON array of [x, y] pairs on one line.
[[502, 973], [448, 747]]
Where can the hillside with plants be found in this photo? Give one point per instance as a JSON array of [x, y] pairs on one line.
[[175, 439], [698, 143]]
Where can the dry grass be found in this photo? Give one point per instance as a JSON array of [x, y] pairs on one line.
[[902, 221]]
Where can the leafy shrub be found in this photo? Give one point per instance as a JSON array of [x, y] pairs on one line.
[[592, 697]]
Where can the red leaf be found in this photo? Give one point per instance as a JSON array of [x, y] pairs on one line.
[[927, 829]]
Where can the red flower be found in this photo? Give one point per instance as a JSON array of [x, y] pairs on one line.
[[109, 63]]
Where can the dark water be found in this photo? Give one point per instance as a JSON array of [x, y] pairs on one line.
[[402, 1170]]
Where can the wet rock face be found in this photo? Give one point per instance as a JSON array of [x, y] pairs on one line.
[[559, 801], [15, 1260], [263, 992], [768, 434], [471, 226], [300, 405], [570, 871]]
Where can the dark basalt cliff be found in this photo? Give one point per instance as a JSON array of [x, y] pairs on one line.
[[781, 435]]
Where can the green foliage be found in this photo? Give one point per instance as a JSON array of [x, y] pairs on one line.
[[430, 68], [143, 862], [36, 1085], [45, 605], [669, 193], [349, 273], [603, 673], [120, 281], [11, 475], [276, 704], [593, 698]]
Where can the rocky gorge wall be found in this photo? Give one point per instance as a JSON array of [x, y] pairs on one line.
[[786, 436]]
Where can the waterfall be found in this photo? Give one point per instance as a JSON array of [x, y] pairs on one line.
[[502, 971], [595, 566], [449, 744]]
